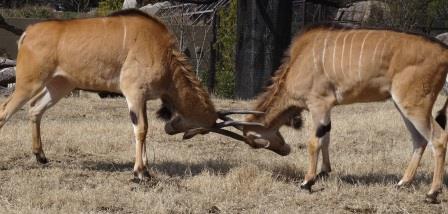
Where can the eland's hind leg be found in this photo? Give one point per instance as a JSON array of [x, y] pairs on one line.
[[54, 90], [23, 92], [419, 144]]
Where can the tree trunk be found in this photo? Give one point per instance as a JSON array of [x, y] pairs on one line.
[[129, 4], [263, 33], [211, 77]]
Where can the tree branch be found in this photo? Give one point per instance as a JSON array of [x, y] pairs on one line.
[[10, 28], [4, 62], [7, 76]]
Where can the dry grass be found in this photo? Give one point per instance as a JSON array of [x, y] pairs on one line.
[[88, 144]]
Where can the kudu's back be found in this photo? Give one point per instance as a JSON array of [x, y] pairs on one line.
[[362, 65]]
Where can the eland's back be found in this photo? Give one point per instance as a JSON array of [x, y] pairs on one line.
[[85, 49]]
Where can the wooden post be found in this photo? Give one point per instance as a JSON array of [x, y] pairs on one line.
[[211, 77], [263, 33]]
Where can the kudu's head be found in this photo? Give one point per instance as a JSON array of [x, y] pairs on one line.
[[269, 134], [262, 137], [255, 134]]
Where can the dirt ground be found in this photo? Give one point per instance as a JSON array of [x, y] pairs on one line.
[[88, 143]]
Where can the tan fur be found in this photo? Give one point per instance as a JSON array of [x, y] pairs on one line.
[[374, 65], [129, 53]]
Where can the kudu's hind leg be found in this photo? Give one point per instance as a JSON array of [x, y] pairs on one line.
[[54, 90], [419, 144], [137, 112], [419, 114], [319, 140]]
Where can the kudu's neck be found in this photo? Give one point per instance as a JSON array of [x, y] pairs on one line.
[[277, 104], [187, 95], [279, 110]]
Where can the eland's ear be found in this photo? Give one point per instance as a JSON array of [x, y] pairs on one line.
[[164, 113]]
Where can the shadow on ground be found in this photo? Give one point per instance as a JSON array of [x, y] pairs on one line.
[[170, 168], [283, 173], [386, 179]]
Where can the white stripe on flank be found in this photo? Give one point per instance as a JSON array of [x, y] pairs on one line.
[[382, 51], [377, 45], [124, 33], [350, 55], [334, 52], [314, 52], [343, 50], [360, 54], [323, 54]]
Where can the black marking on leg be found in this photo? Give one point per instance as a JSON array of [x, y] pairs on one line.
[[441, 119], [133, 117], [322, 130]]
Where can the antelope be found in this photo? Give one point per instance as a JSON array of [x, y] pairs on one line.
[[128, 52], [330, 65]]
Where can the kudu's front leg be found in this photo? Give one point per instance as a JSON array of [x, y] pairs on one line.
[[318, 141]]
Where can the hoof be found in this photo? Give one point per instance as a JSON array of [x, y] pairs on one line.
[[323, 175], [40, 157], [306, 185], [142, 176], [402, 184], [431, 198]]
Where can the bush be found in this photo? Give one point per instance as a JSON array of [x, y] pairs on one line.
[[225, 44], [107, 6]]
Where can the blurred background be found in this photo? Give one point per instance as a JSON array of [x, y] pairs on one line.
[[234, 45]]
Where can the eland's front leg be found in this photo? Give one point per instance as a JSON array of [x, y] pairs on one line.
[[137, 112]]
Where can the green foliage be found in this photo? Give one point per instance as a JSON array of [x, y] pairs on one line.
[[410, 15], [107, 6], [226, 40]]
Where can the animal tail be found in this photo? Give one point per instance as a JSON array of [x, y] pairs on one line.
[[20, 41]]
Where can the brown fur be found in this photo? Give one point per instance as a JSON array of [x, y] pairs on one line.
[[128, 52], [334, 65]]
